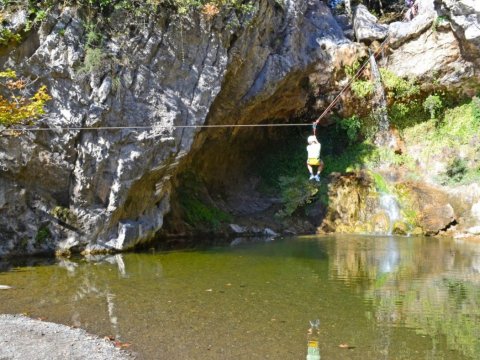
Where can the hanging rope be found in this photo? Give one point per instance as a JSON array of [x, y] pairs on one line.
[[357, 74]]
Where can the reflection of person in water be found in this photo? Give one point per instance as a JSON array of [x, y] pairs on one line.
[[313, 349]]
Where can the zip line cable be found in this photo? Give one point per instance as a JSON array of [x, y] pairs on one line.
[[161, 127], [357, 74]]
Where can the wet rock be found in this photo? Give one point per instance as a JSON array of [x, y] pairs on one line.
[[366, 26], [350, 202], [400, 228], [237, 229], [269, 232], [435, 213]]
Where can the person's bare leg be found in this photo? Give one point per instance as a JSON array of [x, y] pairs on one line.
[[310, 169]]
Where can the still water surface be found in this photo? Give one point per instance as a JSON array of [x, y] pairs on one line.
[[378, 297]]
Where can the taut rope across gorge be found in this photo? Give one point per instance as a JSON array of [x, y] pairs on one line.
[[168, 126]]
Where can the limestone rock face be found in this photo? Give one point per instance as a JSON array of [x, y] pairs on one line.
[[466, 201], [433, 45], [402, 31], [465, 19], [366, 27], [112, 186]]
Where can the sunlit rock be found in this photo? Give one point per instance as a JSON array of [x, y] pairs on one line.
[[366, 26]]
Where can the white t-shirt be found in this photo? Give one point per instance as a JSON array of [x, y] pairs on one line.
[[314, 151]]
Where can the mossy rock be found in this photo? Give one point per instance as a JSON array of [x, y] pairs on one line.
[[417, 231], [400, 228], [380, 223]]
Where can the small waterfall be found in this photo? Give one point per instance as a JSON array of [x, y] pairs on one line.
[[380, 114], [389, 204]]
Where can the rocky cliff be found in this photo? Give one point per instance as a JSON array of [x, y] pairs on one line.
[[122, 122], [107, 188]]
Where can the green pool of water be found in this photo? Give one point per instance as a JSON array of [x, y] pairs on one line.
[[376, 298]]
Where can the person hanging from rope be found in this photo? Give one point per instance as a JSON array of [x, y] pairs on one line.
[[313, 159]]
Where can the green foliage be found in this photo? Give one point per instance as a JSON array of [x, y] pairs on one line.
[[406, 114], [351, 70], [456, 134], [437, 22], [476, 109], [352, 126], [199, 214], [433, 104], [92, 35], [296, 192], [36, 16], [64, 214], [198, 209], [94, 60], [380, 183], [352, 158], [362, 88], [456, 171], [397, 88], [7, 36], [212, 7], [42, 235]]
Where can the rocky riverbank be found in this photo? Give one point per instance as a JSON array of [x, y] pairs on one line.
[[24, 338]]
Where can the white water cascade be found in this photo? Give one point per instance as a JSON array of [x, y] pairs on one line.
[[380, 114], [389, 205]]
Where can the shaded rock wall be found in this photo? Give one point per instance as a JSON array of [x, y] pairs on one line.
[[112, 187]]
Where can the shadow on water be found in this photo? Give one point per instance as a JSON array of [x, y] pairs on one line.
[[18, 263]]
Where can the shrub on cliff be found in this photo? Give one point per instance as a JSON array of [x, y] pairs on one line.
[[15, 105]]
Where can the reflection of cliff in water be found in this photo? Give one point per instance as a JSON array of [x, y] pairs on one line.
[[95, 285], [432, 286]]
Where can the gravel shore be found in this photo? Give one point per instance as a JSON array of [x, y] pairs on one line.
[[25, 338]]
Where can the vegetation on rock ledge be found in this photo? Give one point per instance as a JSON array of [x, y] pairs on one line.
[[15, 105]]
